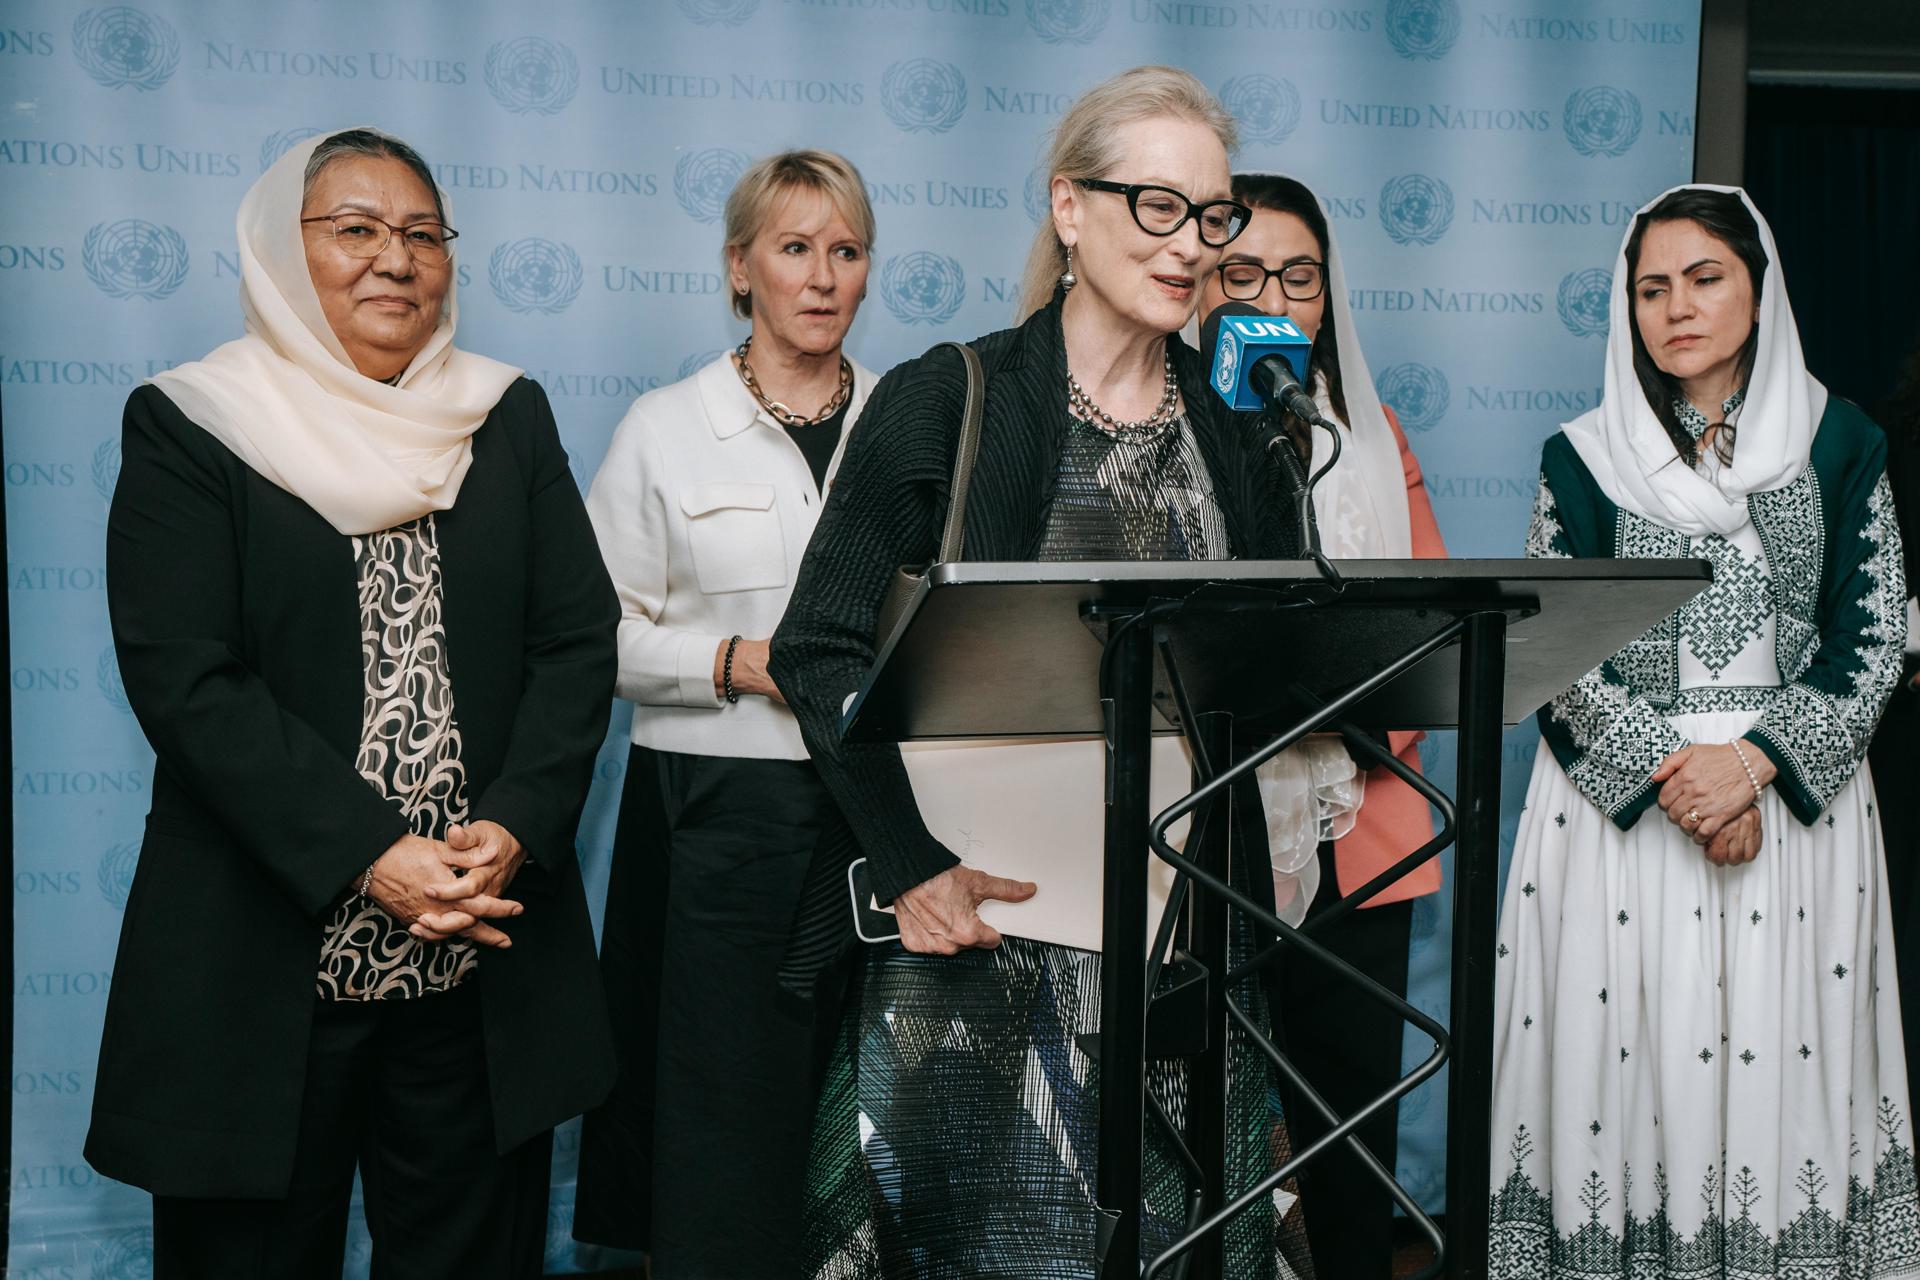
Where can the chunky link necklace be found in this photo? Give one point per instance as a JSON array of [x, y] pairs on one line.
[[1081, 406], [780, 413]]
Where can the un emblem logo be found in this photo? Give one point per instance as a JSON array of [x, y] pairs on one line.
[[1417, 392], [1602, 121], [1416, 209], [535, 275], [698, 361], [123, 46], [726, 13], [703, 179], [278, 144], [106, 467], [116, 882], [922, 95], [1038, 195], [1583, 301], [133, 258], [1422, 28], [532, 74], [1228, 360], [107, 676], [1067, 21], [1267, 109], [922, 287]]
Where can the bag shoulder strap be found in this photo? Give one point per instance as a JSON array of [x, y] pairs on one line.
[[953, 531]]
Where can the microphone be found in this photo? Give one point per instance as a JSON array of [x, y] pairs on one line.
[[1258, 360]]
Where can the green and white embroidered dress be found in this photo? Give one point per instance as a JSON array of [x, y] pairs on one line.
[[1698, 1070]]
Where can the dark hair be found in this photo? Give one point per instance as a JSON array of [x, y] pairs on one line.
[[1723, 216], [370, 142], [1284, 195]]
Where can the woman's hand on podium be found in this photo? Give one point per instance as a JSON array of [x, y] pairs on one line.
[[941, 916]]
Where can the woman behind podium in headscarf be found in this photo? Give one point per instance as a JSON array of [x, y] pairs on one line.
[[1372, 505], [359, 614], [1698, 1068], [703, 506], [955, 1135]]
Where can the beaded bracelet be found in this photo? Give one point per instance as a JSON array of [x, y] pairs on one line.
[[1752, 780], [366, 882], [726, 672]]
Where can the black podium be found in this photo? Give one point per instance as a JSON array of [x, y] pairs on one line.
[[1246, 658]]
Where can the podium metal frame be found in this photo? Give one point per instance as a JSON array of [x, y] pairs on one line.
[[1154, 669]]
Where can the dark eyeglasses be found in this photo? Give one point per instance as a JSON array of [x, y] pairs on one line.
[[1301, 280], [1161, 211]]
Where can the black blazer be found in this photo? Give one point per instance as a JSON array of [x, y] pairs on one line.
[[236, 622], [887, 504]]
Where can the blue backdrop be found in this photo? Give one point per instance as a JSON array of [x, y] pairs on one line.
[[1478, 158]]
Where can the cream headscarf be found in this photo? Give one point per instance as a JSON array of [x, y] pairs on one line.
[[287, 399], [1633, 459]]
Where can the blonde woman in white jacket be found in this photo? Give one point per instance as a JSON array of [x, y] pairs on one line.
[[703, 507]]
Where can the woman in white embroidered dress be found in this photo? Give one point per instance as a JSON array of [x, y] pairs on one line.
[[1698, 1067]]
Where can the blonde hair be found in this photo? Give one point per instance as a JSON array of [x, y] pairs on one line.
[[1086, 145], [770, 180]]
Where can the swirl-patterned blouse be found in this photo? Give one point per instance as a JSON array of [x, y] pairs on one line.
[[410, 753]]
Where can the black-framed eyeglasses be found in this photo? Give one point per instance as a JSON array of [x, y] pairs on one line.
[[361, 235], [1161, 211], [1301, 280]]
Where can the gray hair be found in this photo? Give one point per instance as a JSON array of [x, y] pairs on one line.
[[370, 142], [1084, 146]]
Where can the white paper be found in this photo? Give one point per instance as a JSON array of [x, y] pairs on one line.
[[1036, 811]]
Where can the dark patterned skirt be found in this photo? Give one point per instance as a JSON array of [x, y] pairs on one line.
[[956, 1134]]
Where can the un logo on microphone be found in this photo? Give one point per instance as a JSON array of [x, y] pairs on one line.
[[535, 276], [1417, 392], [1602, 121], [116, 882], [1268, 109], [1416, 209], [532, 74], [106, 468], [702, 181], [1229, 367], [1067, 21], [1422, 28], [278, 144], [922, 287], [133, 258], [923, 95], [122, 46], [725, 13], [107, 676], [1583, 300]]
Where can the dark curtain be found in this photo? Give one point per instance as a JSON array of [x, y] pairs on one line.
[[1837, 173]]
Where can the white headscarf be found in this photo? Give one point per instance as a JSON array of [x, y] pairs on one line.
[[287, 399], [1361, 505], [1633, 459]]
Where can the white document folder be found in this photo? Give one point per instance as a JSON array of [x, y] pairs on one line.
[[1036, 810]]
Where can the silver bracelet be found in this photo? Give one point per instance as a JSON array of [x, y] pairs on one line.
[[366, 882], [1752, 780]]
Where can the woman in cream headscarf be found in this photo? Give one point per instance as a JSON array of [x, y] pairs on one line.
[[360, 615], [1698, 1068], [1332, 828]]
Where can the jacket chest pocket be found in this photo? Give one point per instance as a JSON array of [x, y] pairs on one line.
[[734, 530]]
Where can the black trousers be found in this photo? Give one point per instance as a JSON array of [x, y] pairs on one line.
[[1348, 1047], [704, 1142], [398, 1088]]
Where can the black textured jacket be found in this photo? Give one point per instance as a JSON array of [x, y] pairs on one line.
[[237, 625], [885, 510]]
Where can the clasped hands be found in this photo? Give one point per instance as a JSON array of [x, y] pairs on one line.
[[418, 881], [1707, 794]]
